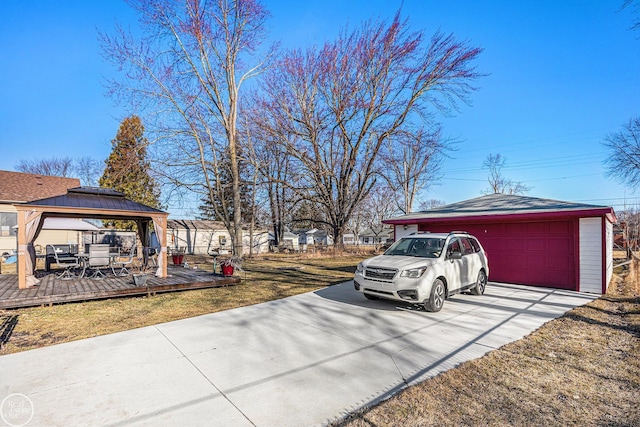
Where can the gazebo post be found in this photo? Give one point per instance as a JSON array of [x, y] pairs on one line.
[[162, 240], [22, 252], [160, 225]]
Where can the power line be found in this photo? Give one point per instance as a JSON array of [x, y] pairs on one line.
[[573, 160], [525, 145]]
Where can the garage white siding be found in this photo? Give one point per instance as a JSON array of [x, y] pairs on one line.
[[609, 248], [404, 230], [591, 255]]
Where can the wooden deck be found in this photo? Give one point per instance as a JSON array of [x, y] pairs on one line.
[[53, 291]]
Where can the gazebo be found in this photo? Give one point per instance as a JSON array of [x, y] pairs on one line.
[[85, 202]]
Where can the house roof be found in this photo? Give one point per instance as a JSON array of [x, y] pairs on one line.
[[101, 200], [377, 232], [502, 206], [204, 224], [19, 187], [311, 232], [195, 224]]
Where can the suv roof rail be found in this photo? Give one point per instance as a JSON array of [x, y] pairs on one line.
[[458, 232], [418, 232]]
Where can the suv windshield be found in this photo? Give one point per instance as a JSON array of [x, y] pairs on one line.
[[418, 247]]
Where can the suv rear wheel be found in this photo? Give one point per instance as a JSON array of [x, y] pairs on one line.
[[436, 299], [481, 283]]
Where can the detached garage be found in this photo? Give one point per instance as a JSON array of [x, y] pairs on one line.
[[528, 240]]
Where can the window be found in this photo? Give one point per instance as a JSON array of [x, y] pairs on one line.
[[8, 220], [454, 246], [475, 244], [466, 245]]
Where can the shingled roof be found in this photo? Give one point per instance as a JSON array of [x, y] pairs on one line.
[[493, 205], [19, 187], [195, 224]]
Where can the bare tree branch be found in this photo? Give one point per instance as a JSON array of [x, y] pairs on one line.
[[411, 163], [338, 105], [185, 73], [498, 183], [623, 161]]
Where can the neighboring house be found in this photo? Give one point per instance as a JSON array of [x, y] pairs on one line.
[[18, 187], [528, 240], [289, 241], [200, 237], [314, 236], [377, 236]]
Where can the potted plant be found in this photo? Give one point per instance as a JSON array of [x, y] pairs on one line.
[[177, 255], [140, 277], [228, 265]]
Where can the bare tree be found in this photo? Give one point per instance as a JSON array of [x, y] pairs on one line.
[[623, 161], [269, 157], [55, 166], [635, 4], [186, 72], [377, 208], [497, 182], [412, 162], [341, 103], [431, 203], [629, 222], [86, 168]]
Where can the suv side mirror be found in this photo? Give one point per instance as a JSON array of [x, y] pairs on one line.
[[455, 255]]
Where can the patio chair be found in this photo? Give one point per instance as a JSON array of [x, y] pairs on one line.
[[98, 257], [64, 260], [153, 256], [121, 261]]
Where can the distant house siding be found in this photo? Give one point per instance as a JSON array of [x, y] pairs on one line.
[[202, 241], [591, 255], [8, 218], [260, 243]]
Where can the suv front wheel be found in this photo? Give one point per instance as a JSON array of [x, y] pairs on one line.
[[436, 299]]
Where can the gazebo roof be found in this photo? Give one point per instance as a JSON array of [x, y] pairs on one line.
[[102, 202]]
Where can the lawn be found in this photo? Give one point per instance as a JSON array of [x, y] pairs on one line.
[[580, 369], [264, 279]]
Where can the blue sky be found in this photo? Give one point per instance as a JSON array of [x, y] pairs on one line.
[[561, 75]]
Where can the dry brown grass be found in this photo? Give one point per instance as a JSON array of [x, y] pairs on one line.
[[264, 279], [582, 369]]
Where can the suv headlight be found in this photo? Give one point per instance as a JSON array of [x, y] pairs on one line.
[[359, 268], [414, 273]]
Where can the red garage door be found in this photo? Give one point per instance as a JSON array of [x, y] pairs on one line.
[[529, 253]]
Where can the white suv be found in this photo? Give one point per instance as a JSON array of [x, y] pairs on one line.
[[425, 268]]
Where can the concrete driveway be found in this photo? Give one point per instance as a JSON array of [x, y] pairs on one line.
[[300, 361]]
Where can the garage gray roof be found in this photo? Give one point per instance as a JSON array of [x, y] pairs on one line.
[[501, 205]]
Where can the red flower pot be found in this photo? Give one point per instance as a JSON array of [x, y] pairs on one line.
[[227, 270], [177, 259]]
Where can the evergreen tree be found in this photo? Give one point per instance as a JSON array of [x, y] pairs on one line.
[[213, 209], [127, 169]]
